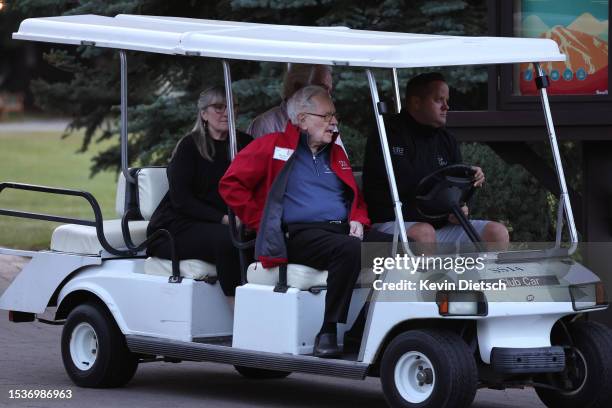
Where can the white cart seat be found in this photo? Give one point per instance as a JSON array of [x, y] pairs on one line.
[[189, 268], [298, 276], [81, 239]]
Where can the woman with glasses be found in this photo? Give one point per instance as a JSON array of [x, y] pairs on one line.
[[296, 188], [192, 209]]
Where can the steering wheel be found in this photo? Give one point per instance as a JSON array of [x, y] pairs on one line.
[[445, 188], [444, 192]]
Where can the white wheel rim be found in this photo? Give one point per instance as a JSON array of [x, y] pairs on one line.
[[84, 346], [415, 377]]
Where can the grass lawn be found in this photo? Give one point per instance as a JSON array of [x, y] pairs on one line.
[[47, 159]]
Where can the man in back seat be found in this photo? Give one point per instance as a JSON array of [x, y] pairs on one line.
[[296, 77], [296, 188]]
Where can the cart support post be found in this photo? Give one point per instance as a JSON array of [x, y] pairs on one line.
[[124, 119], [397, 204], [229, 101], [235, 231], [564, 196], [398, 101]]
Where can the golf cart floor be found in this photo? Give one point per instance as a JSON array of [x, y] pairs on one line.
[[226, 341], [219, 350]]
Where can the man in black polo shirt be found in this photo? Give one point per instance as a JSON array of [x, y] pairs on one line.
[[419, 144]]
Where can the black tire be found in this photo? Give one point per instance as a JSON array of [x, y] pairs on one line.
[[591, 385], [113, 365], [260, 373], [453, 375]]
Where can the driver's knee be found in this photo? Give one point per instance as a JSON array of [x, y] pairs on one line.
[[422, 232], [496, 233]]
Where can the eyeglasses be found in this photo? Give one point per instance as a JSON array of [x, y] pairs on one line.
[[220, 107], [327, 117]]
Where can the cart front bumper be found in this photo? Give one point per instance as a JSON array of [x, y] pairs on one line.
[[528, 360]]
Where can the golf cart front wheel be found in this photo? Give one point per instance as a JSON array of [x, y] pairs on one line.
[[94, 350], [586, 381], [428, 368], [260, 373]]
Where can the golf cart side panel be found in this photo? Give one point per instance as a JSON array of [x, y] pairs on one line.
[[386, 315], [514, 325], [268, 321], [150, 306], [33, 288]]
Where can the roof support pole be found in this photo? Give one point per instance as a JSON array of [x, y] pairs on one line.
[[229, 101], [397, 204], [398, 101], [236, 232], [542, 83], [124, 119]]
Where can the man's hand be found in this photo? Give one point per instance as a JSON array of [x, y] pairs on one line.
[[479, 177], [356, 229], [453, 220]]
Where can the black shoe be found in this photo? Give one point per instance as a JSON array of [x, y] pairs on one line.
[[326, 346]]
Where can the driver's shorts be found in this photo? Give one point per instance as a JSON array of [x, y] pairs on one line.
[[450, 233]]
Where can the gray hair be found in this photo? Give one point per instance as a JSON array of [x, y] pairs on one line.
[[200, 134], [301, 101], [301, 75]]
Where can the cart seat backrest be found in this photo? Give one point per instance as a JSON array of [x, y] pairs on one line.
[[151, 184]]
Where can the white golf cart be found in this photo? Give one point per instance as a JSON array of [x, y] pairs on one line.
[[430, 348]]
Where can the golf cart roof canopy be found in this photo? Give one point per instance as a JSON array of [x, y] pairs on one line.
[[283, 43]]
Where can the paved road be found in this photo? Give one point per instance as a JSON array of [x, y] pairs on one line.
[[30, 359]]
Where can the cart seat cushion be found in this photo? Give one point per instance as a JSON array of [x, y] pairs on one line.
[[190, 268], [298, 276], [82, 239], [152, 185]]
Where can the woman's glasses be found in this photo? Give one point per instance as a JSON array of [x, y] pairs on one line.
[[220, 107]]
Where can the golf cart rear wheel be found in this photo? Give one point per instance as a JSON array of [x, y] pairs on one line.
[[586, 381], [94, 350], [260, 373], [428, 368]]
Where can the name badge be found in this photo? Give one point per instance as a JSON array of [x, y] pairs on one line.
[[282, 153]]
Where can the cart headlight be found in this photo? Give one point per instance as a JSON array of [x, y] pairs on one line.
[[462, 303], [588, 296]]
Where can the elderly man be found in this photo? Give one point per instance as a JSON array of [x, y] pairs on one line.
[[296, 77], [300, 183], [420, 144]]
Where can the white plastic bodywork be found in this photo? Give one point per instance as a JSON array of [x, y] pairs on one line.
[[282, 43], [32, 289], [507, 324], [511, 319], [283, 322], [150, 306]]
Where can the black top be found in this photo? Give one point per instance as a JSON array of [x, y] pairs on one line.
[[416, 151], [193, 193]]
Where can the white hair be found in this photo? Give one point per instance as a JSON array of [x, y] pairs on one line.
[[302, 101]]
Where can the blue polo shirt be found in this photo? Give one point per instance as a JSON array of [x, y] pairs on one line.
[[314, 193]]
